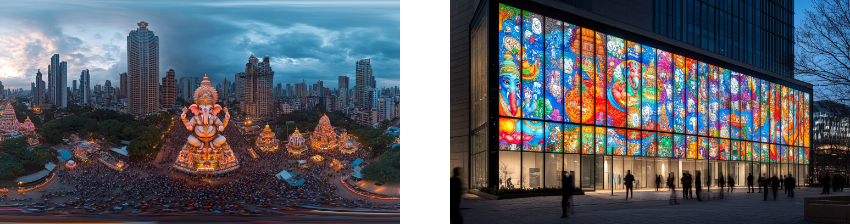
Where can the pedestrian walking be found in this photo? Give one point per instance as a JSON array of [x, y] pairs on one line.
[[750, 184], [657, 181], [699, 186], [456, 191], [825, 182], [628, 181], [790, 183], [765, 182], [775, 185], [721, 181], [760, 182], [672, 187], [567, 186], [731, 183]]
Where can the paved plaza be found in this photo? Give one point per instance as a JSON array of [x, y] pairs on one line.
[[646, 207]]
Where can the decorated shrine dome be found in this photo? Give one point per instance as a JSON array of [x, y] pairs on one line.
[[296, 143], [266, 141], [8, 121], [323, 138], [27, 126], [346, 144]]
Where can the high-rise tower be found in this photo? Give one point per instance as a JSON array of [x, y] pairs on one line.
[[169, 90], [258, 98], [142, 71], [364, 79]]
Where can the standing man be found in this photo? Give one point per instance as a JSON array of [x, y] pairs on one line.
[[455, 194], [825, 182], [699, 186], [567, 186], [761, 182], [790, 183], [721, 180], [731, 183], [765, 182], [672, 187], [657, 181], [750, 184], [629, 179], [775, 182]]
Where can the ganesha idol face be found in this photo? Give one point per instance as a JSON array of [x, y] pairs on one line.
[[509, 88]]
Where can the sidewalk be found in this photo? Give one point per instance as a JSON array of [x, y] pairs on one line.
[[646, 207]]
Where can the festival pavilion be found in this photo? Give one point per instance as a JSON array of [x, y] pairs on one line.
[[266, 141], [296, 144], [324, 138]]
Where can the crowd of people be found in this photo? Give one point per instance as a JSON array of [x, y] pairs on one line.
[[149, 187]]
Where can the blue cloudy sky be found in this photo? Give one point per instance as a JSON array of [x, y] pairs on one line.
[[309, 40]]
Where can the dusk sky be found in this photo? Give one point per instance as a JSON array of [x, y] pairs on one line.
[[311, 40]]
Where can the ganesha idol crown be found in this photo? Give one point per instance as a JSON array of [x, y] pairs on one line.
[[205, 94]]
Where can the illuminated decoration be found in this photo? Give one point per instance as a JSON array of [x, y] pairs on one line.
[[554, 137], [36, 110], [615, 93], [266, 141], [569, 89], [572, 73], [649, 99], [553, 103], [323, 137], [8, 121], [32, 140], [532, 65], [317, 158], [86, 147], [588, 76], [571, 138], [347, 144], [206, 150], [509, 55], [296, 144], [70, 164], [27, 127]]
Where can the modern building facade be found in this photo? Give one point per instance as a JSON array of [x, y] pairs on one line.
[[342, 89], [57, 81], [363, 77], [124, 86], [239, 86], [258, 99], [38, 94], [142, 71], [168, 89], [85, 90], [831, 137], [553, 88]]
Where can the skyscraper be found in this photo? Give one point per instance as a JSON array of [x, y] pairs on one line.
[[85, 91], [364, 77], [320, 87], [343, 89], [124, 86], [143, 71], [57, 81], [258, 98], [107, 93], [239, 86], [224, 91], [168, 90], [74, 88], [38, 95]]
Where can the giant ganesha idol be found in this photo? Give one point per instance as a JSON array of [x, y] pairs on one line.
[[206, 151]]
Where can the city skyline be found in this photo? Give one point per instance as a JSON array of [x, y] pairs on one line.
[[307, 43]]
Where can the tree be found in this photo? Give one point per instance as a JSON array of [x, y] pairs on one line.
[[823, 47], [10, 166], [386, 170]]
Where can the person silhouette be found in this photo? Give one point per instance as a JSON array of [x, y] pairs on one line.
[[790, 183], [750, 184], [456, 191], [761, 182], [699, 186], [774, 182], [657, 181], [766, 183], [567, 186], [721, 181], [672, 187], [731, 183], [628, 181], [825, 182]]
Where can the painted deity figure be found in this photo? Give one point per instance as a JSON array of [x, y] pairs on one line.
[[206, 150]]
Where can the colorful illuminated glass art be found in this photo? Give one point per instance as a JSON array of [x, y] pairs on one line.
[[633, 84], [553, 102], [616, 142], [735, 115], [588, 75], [691, 94], [755, 107], [665, 91], [571, 138], [601, 79], [765, 153], [649, 101], [693, 149], [702, 147], [713, 102], [713, 149], [764, 111], [532, 135], [633, 142], [725, 112], [509, 134], [734, 150], [680, 147], [745, 114], [600, 137], [554, 137], [509, 55], [665, 145], [756, 151], [723, 149], [774, 154], [532, 65], [703, 97], [572, 73], [587, 140], [679, 96], [649, 143], [615, 94]]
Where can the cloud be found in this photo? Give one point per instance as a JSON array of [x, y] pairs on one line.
[[317, 40]]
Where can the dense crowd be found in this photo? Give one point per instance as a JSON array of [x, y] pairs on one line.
[[159, 189]]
